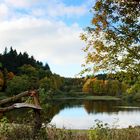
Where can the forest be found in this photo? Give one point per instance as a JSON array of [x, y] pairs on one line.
[[110, 89], [20, 72]]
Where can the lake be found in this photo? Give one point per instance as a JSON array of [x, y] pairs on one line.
[[81, 114], [84, 114]]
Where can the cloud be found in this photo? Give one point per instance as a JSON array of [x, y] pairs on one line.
[[68, 118], [18, 3], [63, 10], [44, 8], [49, 41], [3, 11], [41, 28]]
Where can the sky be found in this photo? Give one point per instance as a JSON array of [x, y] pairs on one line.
[[78, 118], [47, 29]]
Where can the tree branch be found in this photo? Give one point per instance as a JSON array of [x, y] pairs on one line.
[[14, 98], [7, 108], [137, 39]]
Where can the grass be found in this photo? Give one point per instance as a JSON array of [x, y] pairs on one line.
[[100, 132], [2, 95], [74, 96], [107, 98], [83, 96]]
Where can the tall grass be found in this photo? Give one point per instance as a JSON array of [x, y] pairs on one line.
[[99, 132]]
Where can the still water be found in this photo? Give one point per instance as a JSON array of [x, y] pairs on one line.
[[81, 114]]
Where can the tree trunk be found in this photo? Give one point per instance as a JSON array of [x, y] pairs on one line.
[[7, 108], [37, 123], [14, 98]]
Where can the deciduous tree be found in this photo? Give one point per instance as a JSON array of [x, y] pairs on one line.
[[113, 42]]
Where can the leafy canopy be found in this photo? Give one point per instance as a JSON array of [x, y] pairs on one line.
[[113, 41]]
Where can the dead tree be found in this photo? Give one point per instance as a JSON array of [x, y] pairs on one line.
[[14, 98], [36, 107]]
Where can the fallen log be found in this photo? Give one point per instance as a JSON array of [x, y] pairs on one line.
[[16, 97], [26, 105], [20, 105], [7, 108], [33, 94]]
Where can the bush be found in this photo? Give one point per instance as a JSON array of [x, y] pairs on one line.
[[134, 90], [25, 132], [50, 83], [17, 84], [102, 132], [99, 132]]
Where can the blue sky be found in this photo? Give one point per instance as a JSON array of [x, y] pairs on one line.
[[47, 29]]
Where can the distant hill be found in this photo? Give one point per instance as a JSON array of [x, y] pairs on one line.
[[11, 60]]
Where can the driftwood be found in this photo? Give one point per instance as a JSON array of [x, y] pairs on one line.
[[14, 98], [17, 97], [19, 105], [34, 94], [26, 105], [4, 109]]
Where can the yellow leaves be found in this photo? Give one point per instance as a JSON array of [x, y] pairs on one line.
[[86, 48], [99, 46], [93, 85], [98, 5], [86, 86], [104, 87], [100, 22], [83, 37], [95, 21], [1, 83], [10, 75]]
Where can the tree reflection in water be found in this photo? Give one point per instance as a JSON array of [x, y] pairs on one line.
[[52, 108]]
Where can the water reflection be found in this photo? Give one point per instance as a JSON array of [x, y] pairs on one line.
[[81, 114], [118, 120], [100, 106]]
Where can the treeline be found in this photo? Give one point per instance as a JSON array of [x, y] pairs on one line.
[[19, 72], [72, 84], [116, 84], [11, 61], [104, 87]]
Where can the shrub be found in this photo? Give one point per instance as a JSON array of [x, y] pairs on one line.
[[17, 84], [134, 90]]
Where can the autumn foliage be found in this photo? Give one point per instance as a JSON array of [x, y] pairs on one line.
[[104, 87]]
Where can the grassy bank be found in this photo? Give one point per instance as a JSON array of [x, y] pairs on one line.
[[83, 96], [73, 95], [100, 132]]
